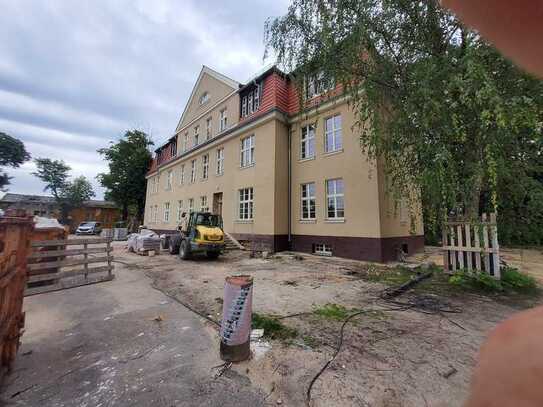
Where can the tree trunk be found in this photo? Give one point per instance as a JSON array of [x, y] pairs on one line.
[[125, 212], [474, 198]]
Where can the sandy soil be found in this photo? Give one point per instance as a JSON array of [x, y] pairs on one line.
[[389, 358]]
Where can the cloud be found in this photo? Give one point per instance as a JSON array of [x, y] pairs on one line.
[[75, 75]]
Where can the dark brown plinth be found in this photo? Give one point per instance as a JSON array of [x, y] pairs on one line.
[[235, 353]]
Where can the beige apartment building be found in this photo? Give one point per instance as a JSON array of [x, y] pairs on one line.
[[281, 177]]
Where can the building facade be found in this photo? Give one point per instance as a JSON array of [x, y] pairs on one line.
[[280, 177], [38, 205]]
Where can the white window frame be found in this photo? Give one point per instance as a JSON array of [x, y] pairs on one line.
[[179, 209], [186, 141], [166, 214], [244, 106], [256, 97], [205, 166], [332, 194], [246, 204], [182, 174], [310, 197], [247, 153], [204, 207], [209, 128], [306, 140], [193, 171], [334, 133], [191, 205], [223, 120], [169, 179], [196, 137], [220, 161], [250, 106], [323, 249]]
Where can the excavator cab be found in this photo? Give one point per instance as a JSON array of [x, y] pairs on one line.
[[204, 234]]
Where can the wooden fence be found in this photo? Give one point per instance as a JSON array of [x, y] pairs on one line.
[[52, 266], [15, 231], [472, 246]]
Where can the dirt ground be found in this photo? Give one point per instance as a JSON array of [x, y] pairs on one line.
[[388, 358]]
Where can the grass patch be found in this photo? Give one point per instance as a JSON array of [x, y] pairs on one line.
[[273, 328], [310, 341], [388, 276], [332, 311], [512, 282]]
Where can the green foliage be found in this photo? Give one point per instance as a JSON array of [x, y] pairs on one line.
[[273, 328], [332, 311], [12, 154], [54, 173], [77, 192], [476, 281], [68, 194], [451, 118], [128, 161], [512, 281]]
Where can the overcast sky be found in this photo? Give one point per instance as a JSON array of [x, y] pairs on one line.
[[75, 75]]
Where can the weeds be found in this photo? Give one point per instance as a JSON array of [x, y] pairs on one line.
[[332, 311], [512, 281], [273, 328]]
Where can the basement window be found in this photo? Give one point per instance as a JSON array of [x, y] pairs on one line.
[[322, 249]]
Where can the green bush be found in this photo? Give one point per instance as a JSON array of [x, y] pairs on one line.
[[476, 281], [511, 280]]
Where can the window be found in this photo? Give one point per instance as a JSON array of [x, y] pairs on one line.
[[205, 166], [308, 201], [317, 85], [223, 120], [204, 98], [332, 134], [196, 135], [334, 197], [193, 171], [404, 210], [203, 204], [179, 210], [186, 141], [191, 205], [169, 180], [167, 212], [220, 161], [247, 151], [245, 204], [322, 249], [250, 102], [182, 175], [209, 128], [307, 145], [173, 148], [157, 183]]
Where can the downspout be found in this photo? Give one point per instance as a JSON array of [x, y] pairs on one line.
[[289, 189]]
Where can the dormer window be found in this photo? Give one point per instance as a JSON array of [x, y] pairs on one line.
[[318, 84], [250, 100], [204, 98]]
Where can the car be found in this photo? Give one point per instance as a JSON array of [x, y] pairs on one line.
[[89, 228]]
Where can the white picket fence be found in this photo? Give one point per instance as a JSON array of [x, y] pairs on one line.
[[472, 246]]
